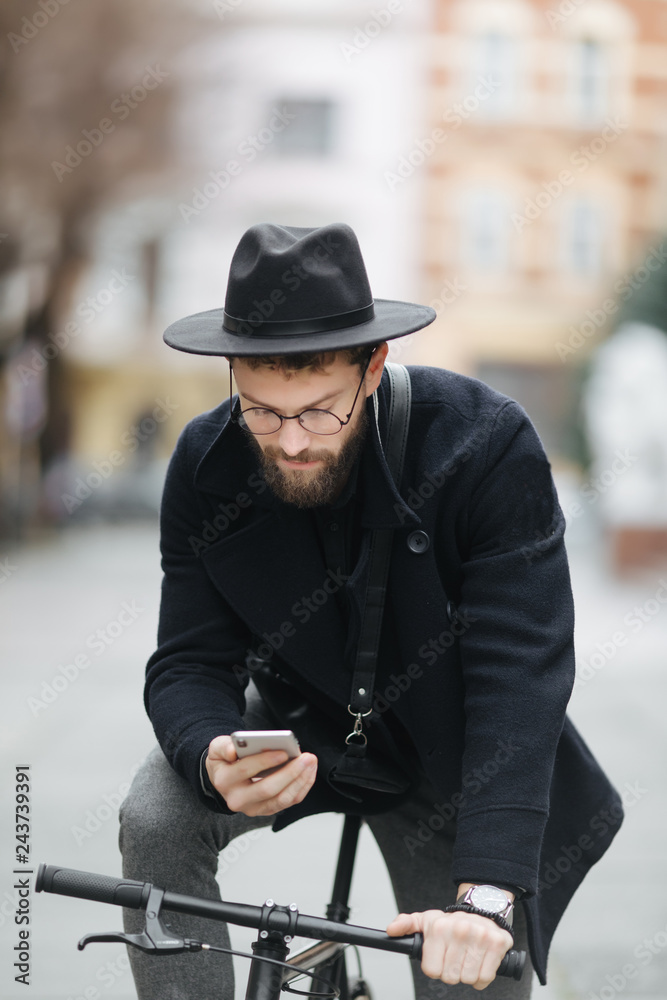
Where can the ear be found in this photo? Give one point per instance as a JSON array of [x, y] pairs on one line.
[[376, 367]]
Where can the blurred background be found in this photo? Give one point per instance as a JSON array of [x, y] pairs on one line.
[[502, 160]]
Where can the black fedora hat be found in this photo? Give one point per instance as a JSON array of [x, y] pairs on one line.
[[291, 290]]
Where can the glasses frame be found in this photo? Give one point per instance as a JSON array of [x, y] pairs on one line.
[[235, 417]]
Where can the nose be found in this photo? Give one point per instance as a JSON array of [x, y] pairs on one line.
[[292, 437]]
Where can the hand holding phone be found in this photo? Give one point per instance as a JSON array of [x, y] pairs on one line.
[[251, 741], [236, 779]]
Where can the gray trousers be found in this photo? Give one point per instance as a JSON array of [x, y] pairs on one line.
[[169, 838]]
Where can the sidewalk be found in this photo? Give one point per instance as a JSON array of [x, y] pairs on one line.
[[79, 615]]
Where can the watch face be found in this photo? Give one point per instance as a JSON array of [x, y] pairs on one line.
[[487, 897]]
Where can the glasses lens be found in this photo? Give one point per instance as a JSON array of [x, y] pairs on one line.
[[320, 422], [259, 421]]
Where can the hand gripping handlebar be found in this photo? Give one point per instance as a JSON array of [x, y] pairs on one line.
[[135, 896]]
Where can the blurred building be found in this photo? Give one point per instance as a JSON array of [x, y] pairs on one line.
[[288, 115], [545, 160], [503, 160]]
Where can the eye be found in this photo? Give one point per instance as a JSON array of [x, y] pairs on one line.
[[315, 415]]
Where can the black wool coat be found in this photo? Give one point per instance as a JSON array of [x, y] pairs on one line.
[[484, 696]]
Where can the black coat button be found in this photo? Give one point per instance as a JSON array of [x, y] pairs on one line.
[[418, 542]]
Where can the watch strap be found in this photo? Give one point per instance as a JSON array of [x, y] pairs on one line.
[[467, 908]]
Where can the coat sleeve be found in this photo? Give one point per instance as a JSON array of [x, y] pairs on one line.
[[196, 678], [517, 657]]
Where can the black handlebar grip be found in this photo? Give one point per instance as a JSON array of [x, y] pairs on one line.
[[512, 964], [86, 885]]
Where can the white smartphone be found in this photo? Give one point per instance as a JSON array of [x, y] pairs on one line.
[[250, 741]]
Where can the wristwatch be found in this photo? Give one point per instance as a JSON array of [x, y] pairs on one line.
[[490, 900]]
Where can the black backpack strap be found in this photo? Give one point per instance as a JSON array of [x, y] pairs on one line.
[[399, 419], [363, 678]]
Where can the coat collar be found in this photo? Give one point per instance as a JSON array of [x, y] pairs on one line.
[[230, 469], [278, 542]]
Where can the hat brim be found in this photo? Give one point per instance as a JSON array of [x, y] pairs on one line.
[[203, 333]]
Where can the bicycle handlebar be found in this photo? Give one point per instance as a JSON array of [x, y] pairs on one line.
[[134, 895], [87, 885]]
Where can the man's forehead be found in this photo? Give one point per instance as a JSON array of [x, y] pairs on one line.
[[283, 370]]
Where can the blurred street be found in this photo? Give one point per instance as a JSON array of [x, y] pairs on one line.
[[79, 614]]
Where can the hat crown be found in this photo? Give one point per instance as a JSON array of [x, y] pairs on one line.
[[293, 290], [290, 274]]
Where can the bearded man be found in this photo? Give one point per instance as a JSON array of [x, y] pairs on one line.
[[489, 797]]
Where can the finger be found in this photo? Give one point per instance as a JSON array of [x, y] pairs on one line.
[[235, 781], [284, 788], [476, 950], [404, 923], [492, 959], [434, 951], [222, 748], [250, 767], [277, 791]]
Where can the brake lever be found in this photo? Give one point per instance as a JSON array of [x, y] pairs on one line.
[[154, 938]]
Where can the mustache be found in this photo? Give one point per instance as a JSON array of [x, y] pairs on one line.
[[302, 456]]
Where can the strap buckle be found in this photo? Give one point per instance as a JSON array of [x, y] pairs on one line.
[[357, 737]]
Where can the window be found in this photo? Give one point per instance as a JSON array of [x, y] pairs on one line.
[[495, 61], [485, 228], [590, 83], [583, 238]]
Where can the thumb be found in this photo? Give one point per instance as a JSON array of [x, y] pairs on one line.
[[404, 923], [222, 748]]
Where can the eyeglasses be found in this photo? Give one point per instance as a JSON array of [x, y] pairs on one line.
[[259, 420]]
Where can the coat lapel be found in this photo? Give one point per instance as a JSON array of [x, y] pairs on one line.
[[271, 570], [273, 576]]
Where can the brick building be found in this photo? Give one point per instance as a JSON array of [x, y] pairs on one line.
[[545, 169]]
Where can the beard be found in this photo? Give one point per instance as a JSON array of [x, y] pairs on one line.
[[308, 489]]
